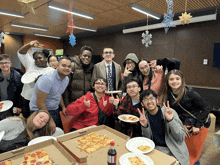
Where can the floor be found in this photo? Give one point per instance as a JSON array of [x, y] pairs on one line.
[[210, 154]]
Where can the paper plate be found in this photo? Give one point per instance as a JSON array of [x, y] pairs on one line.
[[133, 144], [112, 92], [2, 134], [216, 139], [29, 77], [41, 139], [127, 115], [7, 105], [123, 160]]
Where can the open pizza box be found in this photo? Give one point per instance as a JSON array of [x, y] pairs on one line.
[[70, 143], [57, 154]]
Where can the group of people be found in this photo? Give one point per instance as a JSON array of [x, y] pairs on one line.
[[155, 91]]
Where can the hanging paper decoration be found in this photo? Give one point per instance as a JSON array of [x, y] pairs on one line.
[[71, 27], [2, 39], [168, 18], [185, 18], [28, 5], [146, 37]]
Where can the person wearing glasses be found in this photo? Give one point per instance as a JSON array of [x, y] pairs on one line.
[[80, 77], [10, 85], [36, 62], [53, 61], [109, 70], [129, 105], [86, 109], [163, 126]]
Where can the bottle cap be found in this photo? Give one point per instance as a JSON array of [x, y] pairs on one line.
[[112, 143]]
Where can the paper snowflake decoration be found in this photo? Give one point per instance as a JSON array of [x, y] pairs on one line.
[[146, 38], [2, 39], [185, 18], [72, 39]]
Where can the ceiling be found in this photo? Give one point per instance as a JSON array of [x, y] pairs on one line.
[[108, 14]]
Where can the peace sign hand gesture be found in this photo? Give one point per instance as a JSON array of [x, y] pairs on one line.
[[87, 103], [142, 118], [104, 102], [127, 71], [111, 99], [168, 111]]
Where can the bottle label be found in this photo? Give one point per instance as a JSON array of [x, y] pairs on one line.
[[112, 159]]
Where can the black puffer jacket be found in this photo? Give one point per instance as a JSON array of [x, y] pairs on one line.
[[80, 81], [193, 103]]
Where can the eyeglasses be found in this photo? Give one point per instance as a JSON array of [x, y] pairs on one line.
[[6, 63], [134, 86], [150, 99], [145, 66], [103, 84], [108, 52]]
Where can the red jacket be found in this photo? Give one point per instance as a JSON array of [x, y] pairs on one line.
[[88, 116]]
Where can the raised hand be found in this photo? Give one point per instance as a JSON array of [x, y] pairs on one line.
[[127, 71], [35, 43], [153, 63], [111, 99], [87, 103], [159, 68], [142, 118], [116, 101], [195, 130], [104, 102], [168, 111]]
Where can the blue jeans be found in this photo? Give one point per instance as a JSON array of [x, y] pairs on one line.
[[197, 163]]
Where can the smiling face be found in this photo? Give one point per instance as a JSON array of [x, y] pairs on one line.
[[64, 68], [53, 62], [40, 119], [86, 57], [133, 89], [108, 54], [5, 65], [174, 81], [150, 103], [99, 86], [40, 60], [144, 67], [130, 65]]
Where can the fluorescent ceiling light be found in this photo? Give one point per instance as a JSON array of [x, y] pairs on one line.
[[176, 22], [11, 13], [85, 28], [145, 11], [29, 26], [6, 32], [66, 10], [45, 35]]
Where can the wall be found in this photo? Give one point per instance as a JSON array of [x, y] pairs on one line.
[[190, 43]]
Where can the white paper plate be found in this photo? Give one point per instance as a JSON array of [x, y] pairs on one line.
[[2, 134], [123, 160], [110, 92], [133, 144], [7, 105], [29, 77], [127, 115], [41, 139]]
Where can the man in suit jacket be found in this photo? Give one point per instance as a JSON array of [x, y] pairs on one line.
[[109, 70]]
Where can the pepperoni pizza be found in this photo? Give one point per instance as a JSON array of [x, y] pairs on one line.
[[8, 162]]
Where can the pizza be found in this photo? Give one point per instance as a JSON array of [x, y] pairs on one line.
[[144, 148], [8, 162], [37, 158], [131, 118], [136, 160], [93, 141], [1, 106]]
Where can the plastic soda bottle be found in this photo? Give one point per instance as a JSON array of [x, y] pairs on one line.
[[112, 154]]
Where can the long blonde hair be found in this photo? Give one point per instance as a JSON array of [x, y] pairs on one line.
[[166, 88], [31, 128]]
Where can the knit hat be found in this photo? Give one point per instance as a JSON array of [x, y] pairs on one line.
[[131, 56]]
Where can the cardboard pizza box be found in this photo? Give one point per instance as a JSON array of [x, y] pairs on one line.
[[57, 154], [70, 143]]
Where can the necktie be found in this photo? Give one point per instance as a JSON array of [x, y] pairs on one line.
[[110, 85]]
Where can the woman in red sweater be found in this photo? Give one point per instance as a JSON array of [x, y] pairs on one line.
[[86, 109]]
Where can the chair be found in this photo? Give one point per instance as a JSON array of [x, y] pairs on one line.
[[67, 122]]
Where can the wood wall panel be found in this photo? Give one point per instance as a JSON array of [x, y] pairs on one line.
[[189, 43]]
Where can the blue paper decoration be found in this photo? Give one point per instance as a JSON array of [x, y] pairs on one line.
[[72, 39], [168, 17]]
